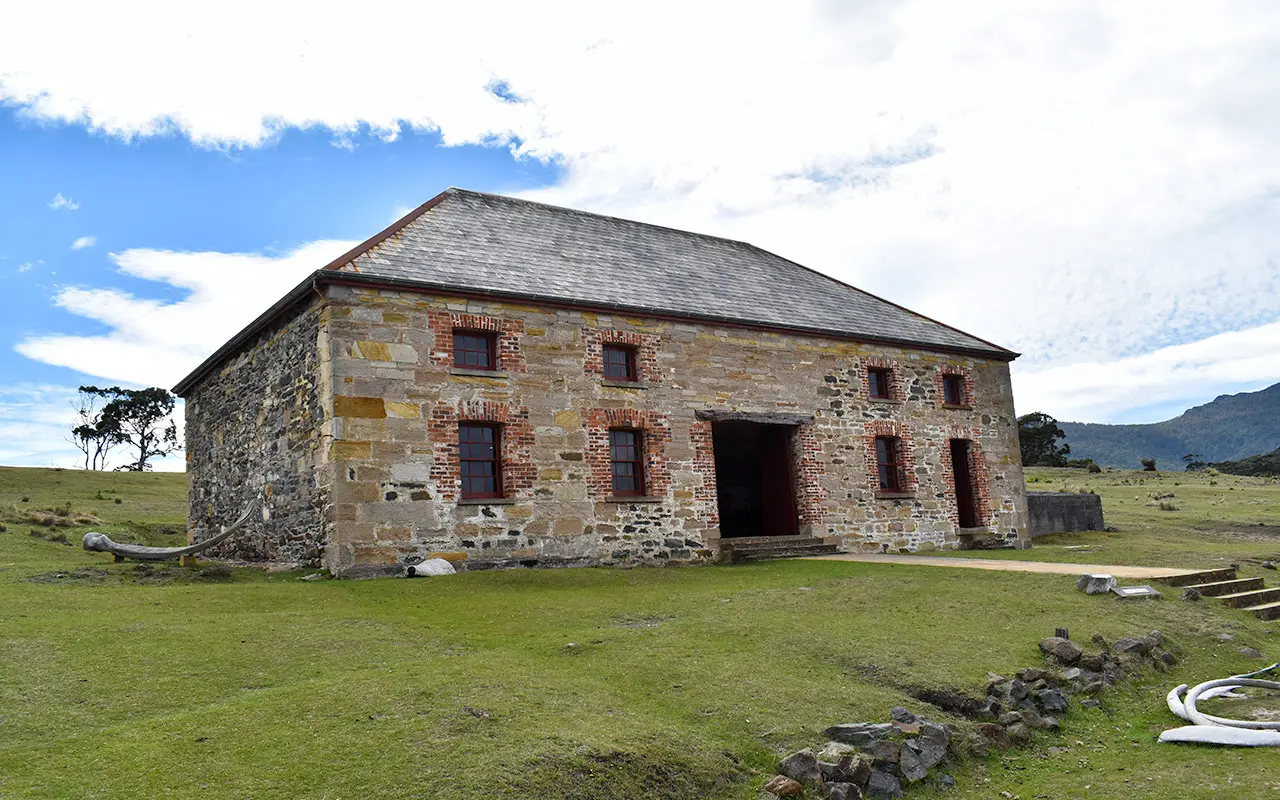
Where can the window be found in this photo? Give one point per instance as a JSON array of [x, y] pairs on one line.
[[626, 457], [887, 461], [952, 390], [474, 350], [619, 362], [879, 383], [479, 447]]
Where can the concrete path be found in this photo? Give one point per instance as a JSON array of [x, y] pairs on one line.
[[1049, 567]]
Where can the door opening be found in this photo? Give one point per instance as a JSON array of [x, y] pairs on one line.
[[755, 484], [962, 470]]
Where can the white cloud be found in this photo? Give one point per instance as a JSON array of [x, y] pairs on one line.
[[83, 242], [63, 203], [1177, 376], [27, 266], [1082, 182], [155, 343]]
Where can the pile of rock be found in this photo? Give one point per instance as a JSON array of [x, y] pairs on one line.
[[866, 759], [877, 759]]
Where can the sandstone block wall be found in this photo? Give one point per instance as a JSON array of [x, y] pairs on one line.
[[254, 428], [1063, 512], [390, 471]]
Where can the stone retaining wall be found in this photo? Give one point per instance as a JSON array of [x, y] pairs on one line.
[[1063, 512]]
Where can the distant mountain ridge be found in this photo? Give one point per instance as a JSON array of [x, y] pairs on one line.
[[1232, 426]]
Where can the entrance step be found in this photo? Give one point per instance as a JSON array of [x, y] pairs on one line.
[[1236, 586], [1252, 598], [1265, 611], [1199, 577], [757, 548]]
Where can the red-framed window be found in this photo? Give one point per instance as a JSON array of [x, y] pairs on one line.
[[952, 390], [475, 349], [480, 460], [888, 463], [620, 362], [626, 459], [880, 383]]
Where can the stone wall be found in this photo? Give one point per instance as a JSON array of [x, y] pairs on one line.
[[397, 402], [1063, 512], [254, 428]]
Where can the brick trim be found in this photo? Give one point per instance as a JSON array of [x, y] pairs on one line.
[[966, 383], [704, 465], [983, 507], [809, 472], [518, 470], [897, 393], [657, 435], [906, 453], [509, 331], [646, 345]]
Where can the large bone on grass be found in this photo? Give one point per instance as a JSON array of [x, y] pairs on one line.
[[100, 542]]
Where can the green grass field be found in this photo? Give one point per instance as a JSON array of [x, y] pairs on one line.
[[120, 681]]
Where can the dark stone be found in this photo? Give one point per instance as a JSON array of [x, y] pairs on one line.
[[1017, 690], [843, 791], [990, 708], [1064, 651], [932, 744], [1092, 662], [859, 733], [847, 770], [900, 714], [1010, 717], [1249, 652], [1051, 700], [1190, 594], [802, 766], [882, 752], [1018, 733], [945, 782], [883, 786], [1032, 674], [910, 765], [1091, 703], [1168, 658], [1133, 644]]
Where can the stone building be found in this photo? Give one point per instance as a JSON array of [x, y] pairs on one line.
[[500, 382]]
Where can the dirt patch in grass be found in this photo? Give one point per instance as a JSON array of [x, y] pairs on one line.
[[953, 701], [665, 773], [146, 574]]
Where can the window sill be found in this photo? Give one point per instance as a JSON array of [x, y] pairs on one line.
[[951, 407], [636, 499], [491, 501], [889, 401], [478, 373], [615, 384], [895, 495]]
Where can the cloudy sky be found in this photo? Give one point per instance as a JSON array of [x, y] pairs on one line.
[[1095, 185]]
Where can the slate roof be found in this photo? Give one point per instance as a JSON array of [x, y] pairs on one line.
[[502, 245], [488, 244]]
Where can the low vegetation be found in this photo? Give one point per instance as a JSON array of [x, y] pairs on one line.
[[119, 681]]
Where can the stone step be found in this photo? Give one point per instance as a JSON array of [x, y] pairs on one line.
[[1265, 611], [762, 548], [740, 557], [1229, 587], [1250, 598], [1198, 576]]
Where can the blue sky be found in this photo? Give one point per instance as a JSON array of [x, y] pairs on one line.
[[1106, 203]]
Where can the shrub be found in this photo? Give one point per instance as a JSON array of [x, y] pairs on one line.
[[1094, 468], [1165, 505], [1149, 464]]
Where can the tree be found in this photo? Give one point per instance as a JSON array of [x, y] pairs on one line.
[[1194, 462], [138, 417], [90, 435], [1038, 435], [1149, 464]]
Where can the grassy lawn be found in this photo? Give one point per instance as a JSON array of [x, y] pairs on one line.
[[582, 683]]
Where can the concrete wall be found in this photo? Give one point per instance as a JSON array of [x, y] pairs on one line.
[[397, 402], [254, 428], [1062, 512]]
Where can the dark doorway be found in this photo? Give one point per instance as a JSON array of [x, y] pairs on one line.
[[963, 472], [754, 480]]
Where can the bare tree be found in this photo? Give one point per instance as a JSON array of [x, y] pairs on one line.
[[91, 435]]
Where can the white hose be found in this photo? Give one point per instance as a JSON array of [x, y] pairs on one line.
[[1210, 729]]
